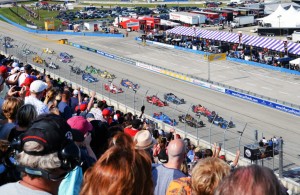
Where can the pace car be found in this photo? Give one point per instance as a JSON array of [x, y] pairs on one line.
[[156, 101], [112, 88], [170, 97], [89, 78], [129, 84], [164, 118]]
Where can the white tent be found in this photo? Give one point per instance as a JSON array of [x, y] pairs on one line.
[[283, 18], [295, 61]]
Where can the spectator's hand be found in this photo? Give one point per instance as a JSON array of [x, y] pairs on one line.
[[11, 92], [92, 94], [87, 139], [22, 92]]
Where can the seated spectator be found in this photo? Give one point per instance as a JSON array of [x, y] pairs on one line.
[[37, 89], [165, 173], [10, 108], [120, 170], [134, 128], [252, 179], [206, 176], [25, 115]]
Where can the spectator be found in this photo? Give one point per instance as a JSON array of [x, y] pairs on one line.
[[120, 170], [97, 110], [27, 84], [143, 141], [25, 74], [3, 91], [25, 115], [264, 140], [160, 150], [134, 128], [13, 77], [206, 176], [10, 108], [63, 106], [37, 89], [46, 158], [164, 174], [252, 179], [84, 128], [75, 99]]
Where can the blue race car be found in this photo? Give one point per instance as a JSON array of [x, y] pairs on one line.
[[170, 97], [129, 84], [65, 55], [89, 78], [162, 117], [219, 121]]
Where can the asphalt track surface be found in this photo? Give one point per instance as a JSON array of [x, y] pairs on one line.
[[268, 121]]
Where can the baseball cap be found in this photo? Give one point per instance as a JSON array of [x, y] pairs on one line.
[[75, 92], [14, 70], [22, 69], [15, 64], [106, 112], [38, 86], [3, 69], [82, 107], [79, 123], [49, 130]]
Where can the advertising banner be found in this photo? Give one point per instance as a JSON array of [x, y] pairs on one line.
[[219, 56]]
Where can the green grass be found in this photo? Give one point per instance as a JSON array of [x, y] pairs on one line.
[[11, 16]]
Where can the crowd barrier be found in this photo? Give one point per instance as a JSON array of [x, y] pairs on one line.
[[61, 32], [194, 80]]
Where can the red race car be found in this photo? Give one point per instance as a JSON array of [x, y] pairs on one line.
[[156, 101], [201, 110], [113, 88]]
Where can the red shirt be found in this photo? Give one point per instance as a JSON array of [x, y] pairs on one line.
[[131, 131]]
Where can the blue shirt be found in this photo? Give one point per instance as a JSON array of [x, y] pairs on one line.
[[65, 110]]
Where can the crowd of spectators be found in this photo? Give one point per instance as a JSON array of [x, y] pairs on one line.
[[233, 50], [58, 140]]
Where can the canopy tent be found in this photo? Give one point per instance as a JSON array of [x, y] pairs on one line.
[[271, 44], [295, 61], [282, 18]]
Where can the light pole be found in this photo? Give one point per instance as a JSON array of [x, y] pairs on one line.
[[279, 16]]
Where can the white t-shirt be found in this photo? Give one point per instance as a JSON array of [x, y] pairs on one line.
[[17, 189], [22, 78], [40, 107]]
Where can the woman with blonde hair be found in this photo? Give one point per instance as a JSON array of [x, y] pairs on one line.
[[9, 109], [120, 170], [51, 101]]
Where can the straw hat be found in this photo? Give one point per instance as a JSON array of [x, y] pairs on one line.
[[143, 140]]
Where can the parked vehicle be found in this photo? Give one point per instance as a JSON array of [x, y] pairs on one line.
[[242, 21]]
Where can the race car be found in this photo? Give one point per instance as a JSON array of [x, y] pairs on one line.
[[37, 59], [48, 51], [7, 45], [51, 65], [65, 60], [110, 87], [76, 70], [129, 84], [65, 55], [191, 121], [164, 118], [91, 69], [219, 121], [89, 78], [26, 52], [156, 101], [170, 97], [107, 75], [200, 110]]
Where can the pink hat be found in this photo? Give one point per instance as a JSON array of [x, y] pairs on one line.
[[80, 123]]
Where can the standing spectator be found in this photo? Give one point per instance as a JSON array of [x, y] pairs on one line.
[[164, 174], [134, 128], [75, 99], [13, 77], [120, 170], [10, 108], [252, 179], [25, 74], [63, 106], [3, 91], [143, 141], [264, 140], [47, 155], [25, 115], [37, 89]]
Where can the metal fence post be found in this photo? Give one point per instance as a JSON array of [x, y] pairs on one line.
[[185, 134], [212, 122], [280, 142], [241, 136]]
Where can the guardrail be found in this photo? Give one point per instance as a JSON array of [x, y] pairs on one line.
[[262, 100]]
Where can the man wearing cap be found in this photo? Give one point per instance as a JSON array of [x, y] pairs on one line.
[[37, 89], [75, 99], [12, 79], [134, 128], [46, 154], [26, 73]]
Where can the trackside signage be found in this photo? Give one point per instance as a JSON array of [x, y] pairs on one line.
[[263, 102]]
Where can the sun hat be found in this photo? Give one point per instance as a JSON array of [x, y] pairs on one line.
[[143, 140], [80, 123]]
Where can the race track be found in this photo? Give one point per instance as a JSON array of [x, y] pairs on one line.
[[269, 122]]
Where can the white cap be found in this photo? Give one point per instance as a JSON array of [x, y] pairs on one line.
[[22, 69], [15, 64], [75, 92], [38, 86], [14, 70]]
